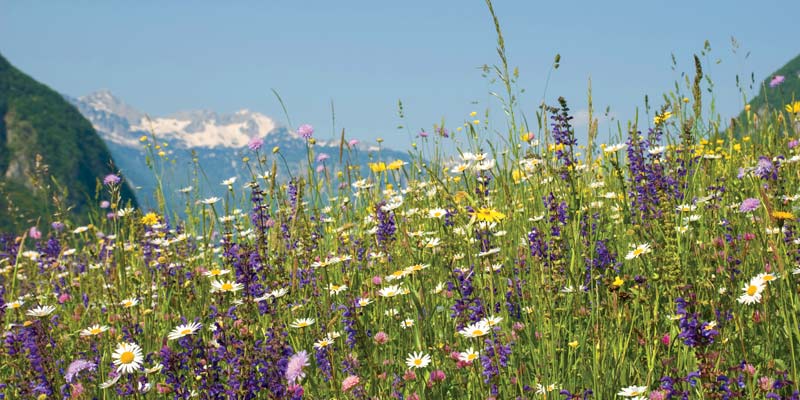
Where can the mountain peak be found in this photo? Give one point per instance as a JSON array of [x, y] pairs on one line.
[[123, 124], [104, 100]]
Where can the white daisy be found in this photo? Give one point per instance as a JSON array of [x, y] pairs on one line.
[[94, 330], [632, 391], [638, 251], [477, 329], [40, 311], [225, 286], [302, 322], [183, 330], [390, 291], [469, 355], [127, 357], [418, 360]]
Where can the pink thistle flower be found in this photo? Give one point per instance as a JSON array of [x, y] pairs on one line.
[[776, 80], [306, 131], [255, 143]]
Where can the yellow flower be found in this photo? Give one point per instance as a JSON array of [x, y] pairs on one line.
[[150, 219], [573, 344], [275, 149], [793, 108], [661, 118], [527, 137], [488, 215], [377, 167], [396, 164], [143, 138], [618, 282], [472, 114], [747, 107], [782, 215], [685, 99], [476, 122]]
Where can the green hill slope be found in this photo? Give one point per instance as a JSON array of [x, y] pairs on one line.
[[44, 139], [775, 98]]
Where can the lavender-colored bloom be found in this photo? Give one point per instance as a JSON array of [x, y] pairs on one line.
[[76, 367], [255, 143], [322, 157], [58, 226], [105, 204], [776, 80], [793, 143], [306, 131], [422, 134], [294, 370], [111, 179], [749, 204], [765, 169], [353, 142]]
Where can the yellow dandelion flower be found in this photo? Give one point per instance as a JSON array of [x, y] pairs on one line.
[[488, 215], [150, 219]]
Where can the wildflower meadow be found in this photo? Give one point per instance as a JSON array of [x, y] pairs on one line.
[[513, 257]]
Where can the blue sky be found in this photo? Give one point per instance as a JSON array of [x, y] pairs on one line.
[[164, 57]]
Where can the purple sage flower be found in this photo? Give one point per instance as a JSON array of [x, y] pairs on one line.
[[776, 80], [306, 131], [749, 204]]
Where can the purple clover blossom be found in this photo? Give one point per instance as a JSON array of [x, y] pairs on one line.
[[111, 179], [422, 134], [322, 157], [306, 131], [776, 80], [255, 143], [749, 204], [294, 370]]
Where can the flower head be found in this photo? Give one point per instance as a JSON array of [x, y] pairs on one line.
[[255, 143], [94, 330], [305, 130], [776, 80], [40, 311], [294, 370], [749, 205], [111, 179], [418, 360], [127, 357], [183, 330]]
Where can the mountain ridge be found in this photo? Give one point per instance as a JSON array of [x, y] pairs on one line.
[[46, 147]]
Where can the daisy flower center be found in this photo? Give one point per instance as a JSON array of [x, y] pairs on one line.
[[477, 332], [126, 357], [186, 331], [226, 286], [215, 271], [417, 362], [95, 331], [752, 289]]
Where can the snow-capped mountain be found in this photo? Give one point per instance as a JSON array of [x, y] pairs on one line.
[[122, 124], [217, 141]]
